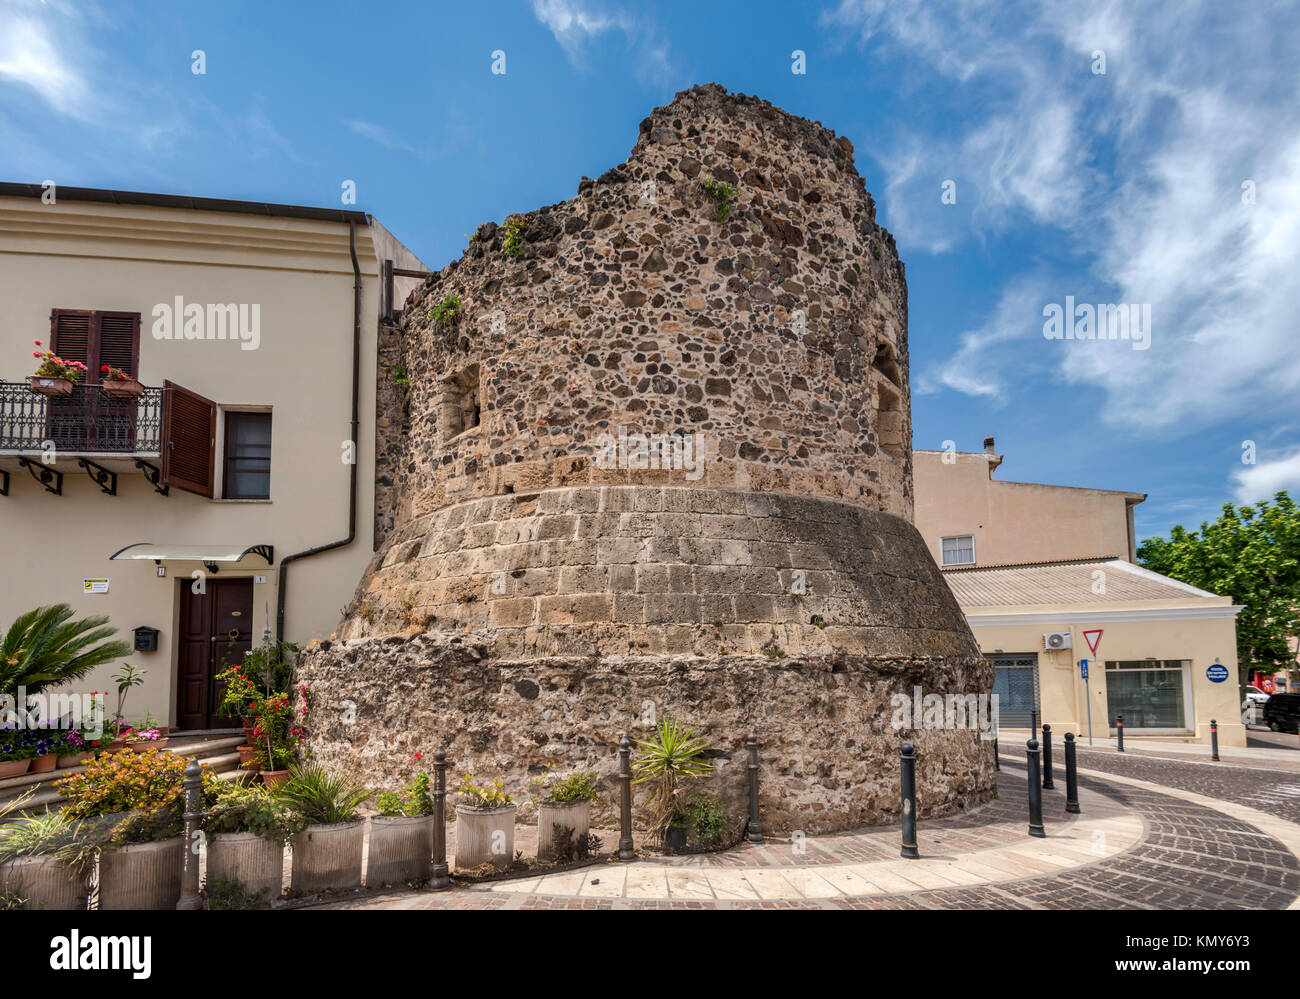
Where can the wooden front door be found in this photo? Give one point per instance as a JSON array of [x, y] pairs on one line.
[[216, 631]]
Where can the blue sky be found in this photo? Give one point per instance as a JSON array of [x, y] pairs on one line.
[[1121, 187]]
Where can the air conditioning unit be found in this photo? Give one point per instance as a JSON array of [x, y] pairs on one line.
[[1057, 640]]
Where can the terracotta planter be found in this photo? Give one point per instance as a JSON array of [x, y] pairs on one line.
[[14, 768], [247, 857], [247, 757], [75, 759], [328, 857], [45, 884], [128, 389], [401, 848], [485, 836], [45, 764], [552, 817], [142, 875], [274, 778], [144, 745], [43, 385]]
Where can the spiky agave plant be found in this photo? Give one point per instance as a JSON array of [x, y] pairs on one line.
[[322, 796], [45, 648], [669, 760]]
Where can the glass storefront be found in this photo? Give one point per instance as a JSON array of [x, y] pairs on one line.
[[1149, 693]]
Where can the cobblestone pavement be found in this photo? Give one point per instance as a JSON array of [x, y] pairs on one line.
[[1189, 856]]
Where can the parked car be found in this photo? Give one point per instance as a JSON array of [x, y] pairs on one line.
[[1282, 713], [1252, 706]]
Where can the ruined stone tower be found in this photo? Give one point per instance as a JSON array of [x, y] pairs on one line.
[[654, 457]]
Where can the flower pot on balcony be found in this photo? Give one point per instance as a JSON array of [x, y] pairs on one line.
[[45, 385], [142, 875], [400, 849], [248, 858], [552, 819], [13, 768], [485, 836], [117, 389], [44, 883], [328, 857]]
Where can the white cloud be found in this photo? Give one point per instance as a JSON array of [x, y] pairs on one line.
[[577, 24], [30, 58], [1137, 173], [1261, 481]]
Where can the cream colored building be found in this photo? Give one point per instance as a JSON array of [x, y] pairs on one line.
[[1040, 569], [243, 475]]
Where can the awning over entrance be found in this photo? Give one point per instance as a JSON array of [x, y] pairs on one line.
[[207, 554]]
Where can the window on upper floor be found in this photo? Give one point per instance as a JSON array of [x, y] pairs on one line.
[[959, 549], [246, 472]]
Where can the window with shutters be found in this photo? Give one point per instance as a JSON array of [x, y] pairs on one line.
[[189, 440], [87, 419], [246, 470]]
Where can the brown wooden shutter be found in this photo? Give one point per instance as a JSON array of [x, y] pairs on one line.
[[70, 334], [189, 434], [119, 342]]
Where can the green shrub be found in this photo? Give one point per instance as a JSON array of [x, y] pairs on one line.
[[578, 786], [229, 893], [236, 808], [515, 228], [447, 311], [723, 194], [414, 799], [321, 796], [707, 819]]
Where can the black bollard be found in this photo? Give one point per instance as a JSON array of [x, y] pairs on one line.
[[625, 848], [1214, 740], [1071, 776], [908, 784], [193, 815], [1033, 724], [1048, 783], [439, 872], [755, 831], [1119, 731], [1035, 792], [997, 763]]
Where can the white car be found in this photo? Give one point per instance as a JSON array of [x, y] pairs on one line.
[[1252, 707]]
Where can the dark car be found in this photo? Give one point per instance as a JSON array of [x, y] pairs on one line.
[[1282, 712]]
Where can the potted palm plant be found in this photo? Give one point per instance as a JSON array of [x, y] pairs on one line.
[[670, 760], [485, 825], [46, 648], [117, 384], [246, 830], [46, 858], [54, 376], [401, 835], [327, 852], [564, 814]]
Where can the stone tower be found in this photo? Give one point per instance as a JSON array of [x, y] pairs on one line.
[[654, 457]]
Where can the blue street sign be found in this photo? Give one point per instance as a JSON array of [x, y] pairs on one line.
[[1217, 673], [1083, 669]]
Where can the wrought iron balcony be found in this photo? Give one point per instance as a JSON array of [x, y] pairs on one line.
[[85, 422]]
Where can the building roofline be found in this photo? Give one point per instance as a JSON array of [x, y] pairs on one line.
[[99, 195], [1134, 498], [1029, 565]]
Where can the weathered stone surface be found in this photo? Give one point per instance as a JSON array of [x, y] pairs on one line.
[[530, 603]]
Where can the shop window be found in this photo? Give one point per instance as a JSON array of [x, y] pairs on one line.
[[1149, 693]]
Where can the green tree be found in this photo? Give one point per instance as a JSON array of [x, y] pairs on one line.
[[44, 648], [1252, 554]]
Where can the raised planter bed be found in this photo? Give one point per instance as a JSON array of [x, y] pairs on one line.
[[328, 857], [401, 848], [246, 857], [552, 818], [142, 875], [45, 884], [485, 836]]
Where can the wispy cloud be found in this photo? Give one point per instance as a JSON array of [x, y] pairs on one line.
[[1136, 172], [31, 59], [1263, 480], [578, 24]]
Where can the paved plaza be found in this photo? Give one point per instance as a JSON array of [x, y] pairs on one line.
[[1172, 831]]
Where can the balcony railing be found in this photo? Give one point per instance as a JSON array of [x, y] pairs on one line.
[[87, 421]]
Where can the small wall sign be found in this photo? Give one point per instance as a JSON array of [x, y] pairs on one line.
[[1217, 673], [94, 586]]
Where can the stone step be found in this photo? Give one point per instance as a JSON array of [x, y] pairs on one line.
[[214, 754]]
